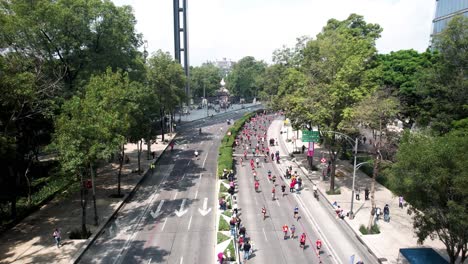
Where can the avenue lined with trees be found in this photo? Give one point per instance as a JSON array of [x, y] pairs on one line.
[[76, 86], [338, 82]]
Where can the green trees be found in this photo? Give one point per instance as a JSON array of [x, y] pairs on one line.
[[204, 80], [432, 174], [444, 87], [166, 80], [243, 79], [76, 38], [377, 111], [93, 127], [340, 65], [401, 71]]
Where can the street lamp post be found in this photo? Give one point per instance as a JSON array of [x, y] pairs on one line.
[[356, 167]]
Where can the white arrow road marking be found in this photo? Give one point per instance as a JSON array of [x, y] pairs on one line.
[[181, 260], [158, 210], [181, 211], [205, 205]]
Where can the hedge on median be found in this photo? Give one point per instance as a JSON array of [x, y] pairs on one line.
[[225, 160]]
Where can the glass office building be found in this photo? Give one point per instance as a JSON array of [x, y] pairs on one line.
[[446, 10]]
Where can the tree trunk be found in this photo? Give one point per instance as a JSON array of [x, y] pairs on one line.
[[148, 145], [84, 203], [119, 175], [14, 193], [93, 183], [139, 149], [162, 124], [377, 158]]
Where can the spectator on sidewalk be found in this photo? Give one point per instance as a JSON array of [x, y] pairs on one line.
[[235, 209], [378, 211], [238, 222], [222, 204], [247, 247], [232, 225], [241, 242], [242, 231], [57, 237], [366, 194], [386, 213], [400, 201]]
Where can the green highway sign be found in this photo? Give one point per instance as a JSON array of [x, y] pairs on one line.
[[310, 136]]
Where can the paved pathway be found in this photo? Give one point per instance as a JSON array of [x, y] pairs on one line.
[[396, 234]]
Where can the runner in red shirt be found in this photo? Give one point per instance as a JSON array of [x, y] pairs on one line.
[[302, 241], [285, 231], [318, 243]]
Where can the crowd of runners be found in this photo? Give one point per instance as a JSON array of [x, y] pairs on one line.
[[256, 148]]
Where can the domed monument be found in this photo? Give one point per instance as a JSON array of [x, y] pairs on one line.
[[223, 95]]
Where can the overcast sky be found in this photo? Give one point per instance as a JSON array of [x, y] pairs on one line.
[[233, 29]]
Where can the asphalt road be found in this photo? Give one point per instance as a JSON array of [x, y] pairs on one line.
[[317, 219], [171, 216]]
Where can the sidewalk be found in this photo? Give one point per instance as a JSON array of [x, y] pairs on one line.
[[31, 240], [396, 234]]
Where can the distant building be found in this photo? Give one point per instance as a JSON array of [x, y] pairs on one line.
[[446, 10], [225, 65]]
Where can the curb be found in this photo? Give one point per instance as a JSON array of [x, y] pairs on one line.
[[330, 204], [77, 256]]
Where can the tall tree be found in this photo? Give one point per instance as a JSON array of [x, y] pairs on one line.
[[26, 108], [167, 80], [76, 38], [243, 80], [93, 127], [444, 87], [377, 112], [204, 80], [432, 174], [401, 71], [340, 64]]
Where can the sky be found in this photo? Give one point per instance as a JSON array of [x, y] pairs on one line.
[[234, 29]]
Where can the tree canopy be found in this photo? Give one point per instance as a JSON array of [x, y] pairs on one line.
[[243, 80], [432, 175], [205, 78]]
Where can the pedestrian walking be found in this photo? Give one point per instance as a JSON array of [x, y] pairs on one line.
[[283, 189], [386, 213], [357, 194], [291, 186], [366, 194], [400, 201], [57, 237], [377, 214]]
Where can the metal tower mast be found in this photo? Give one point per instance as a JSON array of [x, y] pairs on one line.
[[178, 29]]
